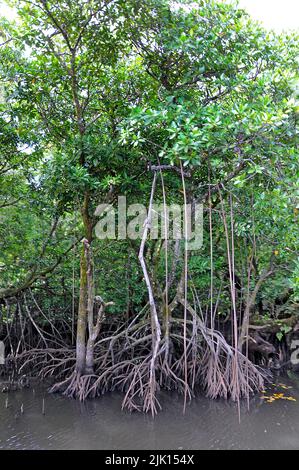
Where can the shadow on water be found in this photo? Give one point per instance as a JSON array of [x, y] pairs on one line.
[[100, 423]]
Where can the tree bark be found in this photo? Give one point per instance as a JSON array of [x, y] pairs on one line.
[[87, 330], [251, 297], [82, 315], [83, 297]]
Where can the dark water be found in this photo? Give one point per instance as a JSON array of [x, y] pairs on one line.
[[100, 423]]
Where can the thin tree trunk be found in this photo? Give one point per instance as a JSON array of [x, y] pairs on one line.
[[82, 315], [155, 324], [83, 298], [251, 301], [90, 304]]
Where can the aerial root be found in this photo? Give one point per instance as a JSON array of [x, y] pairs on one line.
[[123, 362]]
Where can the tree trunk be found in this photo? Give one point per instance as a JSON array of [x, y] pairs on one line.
[[89, 367], [251, 297], [82, 317], [83, 298], [87, 304]]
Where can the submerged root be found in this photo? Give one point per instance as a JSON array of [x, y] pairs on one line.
[[74, 386], [227, 374], [46, 363], [123, 361]]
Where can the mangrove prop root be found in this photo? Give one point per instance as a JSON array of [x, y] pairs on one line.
[[124, 362]]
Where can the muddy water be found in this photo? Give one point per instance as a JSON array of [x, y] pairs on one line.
[[100, 424]]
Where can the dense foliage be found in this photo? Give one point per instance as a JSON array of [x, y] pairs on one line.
[[94, 95]]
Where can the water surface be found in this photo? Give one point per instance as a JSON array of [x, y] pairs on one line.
[[100, 423]]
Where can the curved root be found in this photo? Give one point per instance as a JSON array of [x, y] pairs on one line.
[[123, 361]]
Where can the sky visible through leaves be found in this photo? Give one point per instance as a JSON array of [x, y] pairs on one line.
[[274, 14]]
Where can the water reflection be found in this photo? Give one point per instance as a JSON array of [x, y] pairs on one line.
[[100, 423]]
